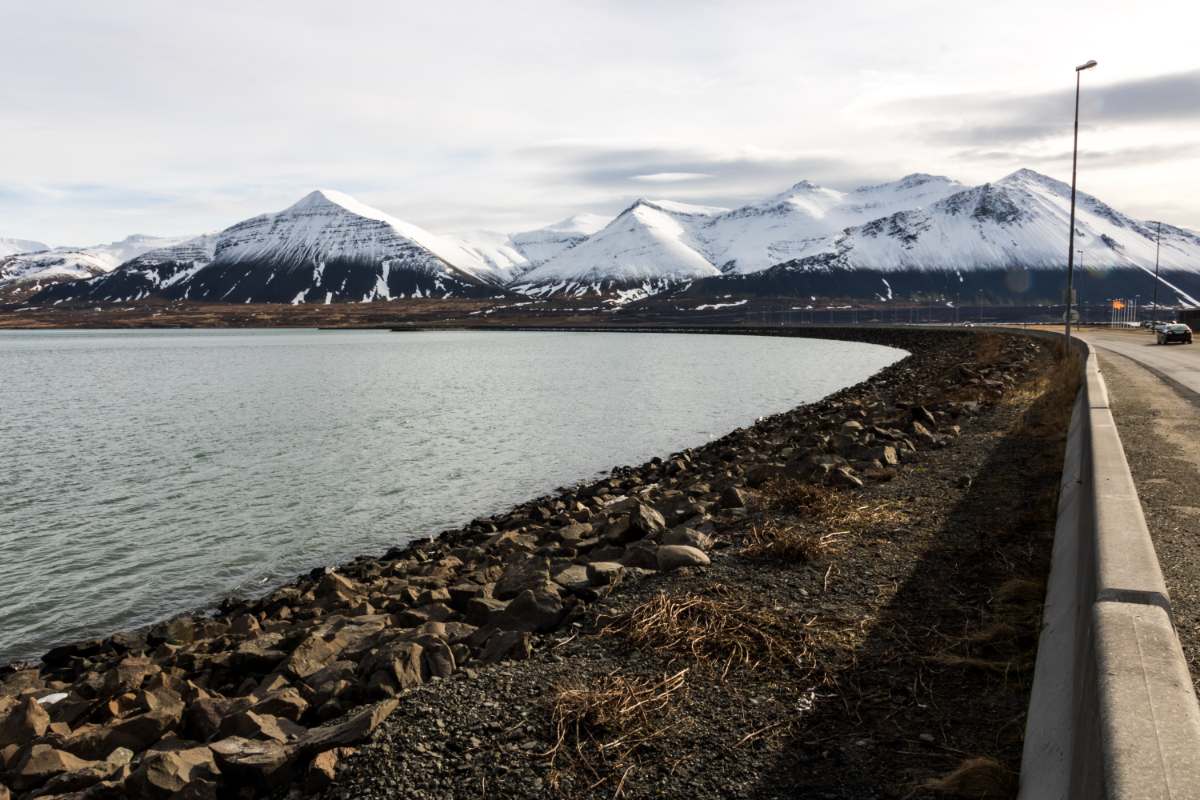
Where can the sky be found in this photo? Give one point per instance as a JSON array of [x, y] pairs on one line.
[[174, 119]]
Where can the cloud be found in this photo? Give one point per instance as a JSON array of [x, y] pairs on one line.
[[622, 166], [671, 177], [1120, 157], [997, 119]]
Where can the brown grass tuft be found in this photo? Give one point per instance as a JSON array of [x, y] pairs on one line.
[[787, 543], [600, 727], [714, 629], [978, 779]]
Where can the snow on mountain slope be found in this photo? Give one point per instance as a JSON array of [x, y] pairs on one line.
[[10, 247], [500, 255], [143, 276], [805, 219], [326, 224], [541, 245], [1018, 221], [649, 246], [326, 247]]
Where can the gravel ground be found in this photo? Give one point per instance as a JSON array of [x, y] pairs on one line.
[[911, 629], [1160, 428]]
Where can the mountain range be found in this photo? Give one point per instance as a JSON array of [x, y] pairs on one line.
[[28, 266], [920, 237]]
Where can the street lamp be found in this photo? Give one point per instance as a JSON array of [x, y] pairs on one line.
[[1071, 238], [1157, 243], [1081, 270]]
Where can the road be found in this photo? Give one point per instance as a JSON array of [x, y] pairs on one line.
[[1159, 423], [1179, 362]]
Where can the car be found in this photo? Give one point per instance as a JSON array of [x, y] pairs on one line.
[[1174, 332]]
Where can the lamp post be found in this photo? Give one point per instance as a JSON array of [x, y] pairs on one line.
[[1081, 270], [1071, 238], [1157, 242]]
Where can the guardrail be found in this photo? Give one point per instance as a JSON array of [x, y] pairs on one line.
[[1113, 713]]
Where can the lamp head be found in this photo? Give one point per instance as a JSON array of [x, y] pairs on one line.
[[1088, 65]]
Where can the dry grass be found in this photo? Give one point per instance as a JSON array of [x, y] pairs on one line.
[[828, 506], [715, 628], [598, 729], [789, 544], [977, 779], [797, 497]]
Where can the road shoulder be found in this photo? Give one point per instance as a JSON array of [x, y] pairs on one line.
[[1160, 429]]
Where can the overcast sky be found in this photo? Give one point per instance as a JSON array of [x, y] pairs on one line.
[[177, 118]]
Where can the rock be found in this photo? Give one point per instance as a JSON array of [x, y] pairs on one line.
[[605, 573], [507, 645], [573, 533], [256, 763], [844, 476], [287, 703], [333, 586], [203, 717], [252, 725], [128, 675], [162, 773], [574, 577], [25, 722], [521, 575], [922, 433], [641, 554], [437, 658], [689, 537], [480, 609], [96, 772], [646, 521], [312, 654], [462, 593], [323, 769], [733, 497], [136, 733], [886, 455], [41, 763], [534, 611], [674, 556], [355, 728]]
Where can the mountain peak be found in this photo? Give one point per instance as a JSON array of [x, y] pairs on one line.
[[1026, 175], [329, 199]]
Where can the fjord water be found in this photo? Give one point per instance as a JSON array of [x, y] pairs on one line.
[[149, 473]]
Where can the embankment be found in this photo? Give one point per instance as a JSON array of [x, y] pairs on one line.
[[841, 596]]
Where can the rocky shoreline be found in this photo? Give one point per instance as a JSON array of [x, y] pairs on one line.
[[272, 696]]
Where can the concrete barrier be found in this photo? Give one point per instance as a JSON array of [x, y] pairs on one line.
[[1112, 713]]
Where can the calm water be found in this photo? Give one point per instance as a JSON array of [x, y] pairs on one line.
[[147, 473]]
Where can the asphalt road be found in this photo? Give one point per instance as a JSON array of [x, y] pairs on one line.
[[1159, 423], [1179, 362]]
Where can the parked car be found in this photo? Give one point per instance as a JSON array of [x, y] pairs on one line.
[[1175, 332]]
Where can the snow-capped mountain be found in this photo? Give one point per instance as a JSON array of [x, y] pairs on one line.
[[801, 220], [1020, 220], [24, 274], [510, 256], [540, 245], [148, 274], [659, 243], [496, 250], [651, 245], [10, 247], [327, 247], [1006, 239], [921, 237]]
